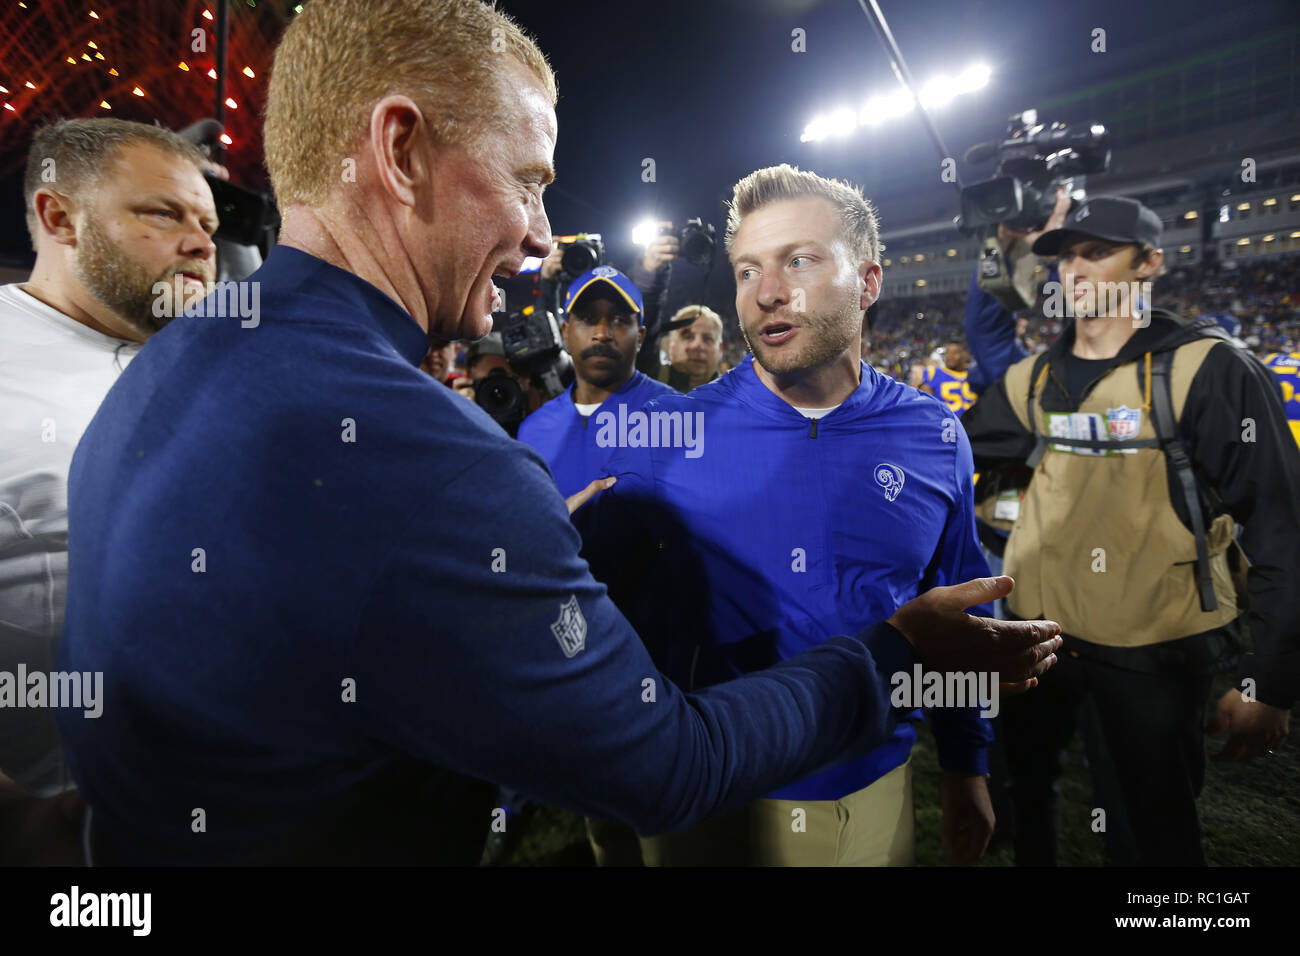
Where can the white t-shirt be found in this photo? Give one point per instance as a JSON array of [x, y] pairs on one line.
[[586, 410], [54, 372], [815, 412]]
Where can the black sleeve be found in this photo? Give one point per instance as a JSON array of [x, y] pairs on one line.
[[654, 290], [1239, 441], [551, 295], [996, 435]]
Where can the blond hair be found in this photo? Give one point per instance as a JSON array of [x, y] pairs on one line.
[[695, 311], [860, 227], [338, 57]]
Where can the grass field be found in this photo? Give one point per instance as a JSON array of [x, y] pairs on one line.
[[1250, 814]]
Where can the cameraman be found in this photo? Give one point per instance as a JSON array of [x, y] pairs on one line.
[[604, 328], [1147, 437], [992, 333], [485, 359]]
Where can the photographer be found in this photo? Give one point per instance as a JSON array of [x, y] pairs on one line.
[[1147, 437], [695, 350], [603, 331], [495, 386], [440, 359]]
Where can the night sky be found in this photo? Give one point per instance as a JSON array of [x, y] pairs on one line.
[[711, 89]]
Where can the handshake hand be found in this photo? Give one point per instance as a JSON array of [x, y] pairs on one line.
[[945, 638]]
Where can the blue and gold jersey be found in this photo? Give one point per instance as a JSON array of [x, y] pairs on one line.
[[1286, 366], [949, 387]]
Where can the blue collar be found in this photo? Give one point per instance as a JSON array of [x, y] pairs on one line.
[[627, 386], [296, 274], [751, 390]]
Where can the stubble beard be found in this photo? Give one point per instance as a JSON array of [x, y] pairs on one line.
[[826, 336], [123, 286]]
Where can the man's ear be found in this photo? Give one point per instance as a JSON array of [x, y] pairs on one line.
[[55, 215], [1151, 265], [871, 276], [401, 147]]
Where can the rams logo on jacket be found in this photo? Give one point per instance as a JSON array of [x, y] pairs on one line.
[[890, 477]]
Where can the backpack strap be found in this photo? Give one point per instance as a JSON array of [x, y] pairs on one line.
[[1162, 417], [1036, 378]]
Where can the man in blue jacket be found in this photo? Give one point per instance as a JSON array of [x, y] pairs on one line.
[[823, 496], [303, 660], [604, 328]]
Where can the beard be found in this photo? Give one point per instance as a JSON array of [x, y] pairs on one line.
[[826, 335], [125, 287]]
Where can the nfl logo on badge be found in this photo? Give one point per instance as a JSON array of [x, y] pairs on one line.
[[570, 629], [1123, 422]]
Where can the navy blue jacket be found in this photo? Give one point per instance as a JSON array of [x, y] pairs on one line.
[[333, 604], [567, 439], [776, 533]]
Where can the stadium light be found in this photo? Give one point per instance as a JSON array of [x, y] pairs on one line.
[[935, 94], [974, 77], [938, 92]]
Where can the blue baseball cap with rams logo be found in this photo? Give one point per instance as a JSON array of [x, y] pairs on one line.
[[606, 276]]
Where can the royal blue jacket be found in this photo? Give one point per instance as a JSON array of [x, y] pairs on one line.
[[785, 531], [334, 604], [568, 440], [990, 335]]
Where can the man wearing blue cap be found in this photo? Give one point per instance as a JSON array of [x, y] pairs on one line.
[[603, 331]]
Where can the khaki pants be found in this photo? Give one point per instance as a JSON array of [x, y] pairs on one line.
[[871, 827]]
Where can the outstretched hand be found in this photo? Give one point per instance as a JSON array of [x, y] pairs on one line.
[[946, 638]]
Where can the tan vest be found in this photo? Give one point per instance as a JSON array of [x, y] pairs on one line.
[[1097, 545]]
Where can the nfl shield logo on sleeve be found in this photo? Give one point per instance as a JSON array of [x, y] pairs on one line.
[[1123, 422], [570, 629]]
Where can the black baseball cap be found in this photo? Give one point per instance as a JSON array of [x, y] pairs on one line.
[[1113, 218]]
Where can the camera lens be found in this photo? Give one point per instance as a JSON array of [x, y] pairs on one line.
[[697, 242], [579, 258], [500, 396]]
